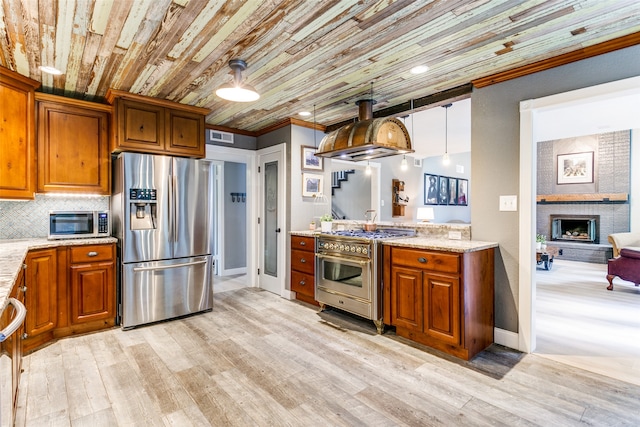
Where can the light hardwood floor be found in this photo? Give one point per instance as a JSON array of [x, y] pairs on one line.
[[258, 359], [582, 324]]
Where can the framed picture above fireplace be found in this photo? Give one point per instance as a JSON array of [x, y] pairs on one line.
[[575, 168]]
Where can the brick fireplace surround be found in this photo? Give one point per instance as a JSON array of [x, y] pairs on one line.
[[606, 198]]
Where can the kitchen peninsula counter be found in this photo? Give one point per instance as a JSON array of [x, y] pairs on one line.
[[459, 246], [13, 253]]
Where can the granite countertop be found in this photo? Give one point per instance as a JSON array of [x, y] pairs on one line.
[[14, 252], [306, 233], [441, 244]]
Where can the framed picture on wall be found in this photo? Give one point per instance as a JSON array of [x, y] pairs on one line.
[[430, 189], [453, 191], [311, 184], [463, 196], [309, 159], [443, 190], [575, 168]]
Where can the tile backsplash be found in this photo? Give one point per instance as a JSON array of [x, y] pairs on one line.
[[29, 219]]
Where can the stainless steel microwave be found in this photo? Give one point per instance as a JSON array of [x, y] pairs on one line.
[[79, 224]]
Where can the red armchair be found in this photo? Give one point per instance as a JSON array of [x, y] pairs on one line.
[[626, 267]]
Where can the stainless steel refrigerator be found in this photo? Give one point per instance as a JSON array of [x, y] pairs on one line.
[[161, 215]]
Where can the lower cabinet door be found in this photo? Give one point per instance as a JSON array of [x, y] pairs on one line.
[[92, 292], [442, 308], [406, 298]]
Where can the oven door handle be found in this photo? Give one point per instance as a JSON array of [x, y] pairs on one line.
[[344, 259]]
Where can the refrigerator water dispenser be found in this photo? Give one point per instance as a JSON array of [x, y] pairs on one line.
[[143, 208]]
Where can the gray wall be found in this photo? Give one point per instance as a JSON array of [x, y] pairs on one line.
[[495, 142], [353, 198], [239, 141], [434, 166], [235, 216], [412, 177]]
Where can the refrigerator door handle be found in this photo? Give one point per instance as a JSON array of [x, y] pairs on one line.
[[175, 208], [164, 267]]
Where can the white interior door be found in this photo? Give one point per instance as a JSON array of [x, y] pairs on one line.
[[272, 230]]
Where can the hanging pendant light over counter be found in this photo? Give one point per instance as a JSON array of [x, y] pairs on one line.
[[237, 91], [445, 156]]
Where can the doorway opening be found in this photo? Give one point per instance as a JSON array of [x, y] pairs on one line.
[[552, 118], [232, 231]]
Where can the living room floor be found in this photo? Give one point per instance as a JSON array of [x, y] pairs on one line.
[[582, 324]]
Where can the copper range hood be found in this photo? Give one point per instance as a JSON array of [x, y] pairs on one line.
[[367, 138]]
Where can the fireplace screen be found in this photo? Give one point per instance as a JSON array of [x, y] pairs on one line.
[[574, 228]]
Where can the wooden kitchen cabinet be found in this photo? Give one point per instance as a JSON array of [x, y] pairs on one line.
[[303, 268], [87, 301], [17, 135], [73, 146], [92, 284], [151, 125], [40, 297], [441, 299]]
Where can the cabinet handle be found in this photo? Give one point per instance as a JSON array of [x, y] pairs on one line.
[[23, 289], [422, 260], [303, 243], [92, 253], [302, 282], [25, 336], [302, 260]]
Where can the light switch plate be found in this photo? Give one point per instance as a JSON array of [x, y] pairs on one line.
[[381, 202], [508, 203]]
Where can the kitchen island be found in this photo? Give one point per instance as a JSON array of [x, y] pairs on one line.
[[440, 293]]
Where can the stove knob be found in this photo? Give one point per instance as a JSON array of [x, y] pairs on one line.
[[365, 251], [342, 247], [359, 249], [353, 248]]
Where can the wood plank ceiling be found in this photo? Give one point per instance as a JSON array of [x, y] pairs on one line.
[[299, 52]]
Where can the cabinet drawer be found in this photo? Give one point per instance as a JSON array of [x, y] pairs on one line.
[[303, 243], [434, 261], [302, 283], [303, 261], [90, 253]]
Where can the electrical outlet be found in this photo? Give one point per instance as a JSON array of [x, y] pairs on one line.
[[455, 235], [381, 202]]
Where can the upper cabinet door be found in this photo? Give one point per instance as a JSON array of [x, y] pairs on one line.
[[17, 136], [150, 125], [140, 127], [73, 146], [185, 133]]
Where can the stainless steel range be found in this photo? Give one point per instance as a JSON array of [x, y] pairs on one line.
[[348, 272]]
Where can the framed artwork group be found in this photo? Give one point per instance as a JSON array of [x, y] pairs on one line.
[[445, 190]]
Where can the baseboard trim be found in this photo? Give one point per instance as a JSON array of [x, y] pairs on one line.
[[506, 338]]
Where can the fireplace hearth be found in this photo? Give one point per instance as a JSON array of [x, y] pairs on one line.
[[575, 228]]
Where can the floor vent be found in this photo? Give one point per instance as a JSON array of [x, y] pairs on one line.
[[219, 136]]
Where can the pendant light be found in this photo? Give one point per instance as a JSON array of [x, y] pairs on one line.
[[403, 164], [237, 91], [445, 157]]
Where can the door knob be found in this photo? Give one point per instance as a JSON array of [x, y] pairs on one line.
[[278, 230]]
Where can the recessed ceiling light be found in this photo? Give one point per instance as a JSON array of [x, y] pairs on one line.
[[50, 70], [305, 113], [419, 69]]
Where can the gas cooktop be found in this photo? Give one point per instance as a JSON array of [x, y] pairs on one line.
[[383, 233]]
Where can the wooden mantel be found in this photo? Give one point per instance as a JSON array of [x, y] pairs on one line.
[[588, 197]]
